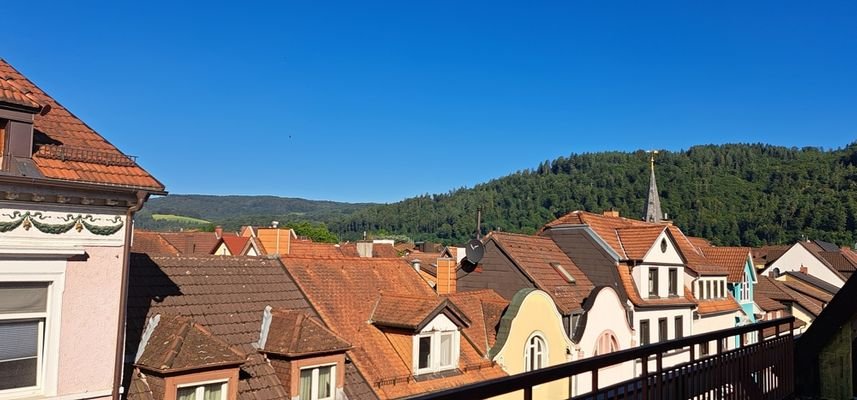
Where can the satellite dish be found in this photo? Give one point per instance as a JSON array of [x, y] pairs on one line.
[[474, 250]]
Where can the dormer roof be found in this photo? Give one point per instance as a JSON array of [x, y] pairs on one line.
[[295, 334], [179, 344], [636, 241], [414, 313]]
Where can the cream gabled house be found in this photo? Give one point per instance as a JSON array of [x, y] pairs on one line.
[[67, 199]]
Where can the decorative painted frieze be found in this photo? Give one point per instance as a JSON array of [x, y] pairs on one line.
[[59, 225]]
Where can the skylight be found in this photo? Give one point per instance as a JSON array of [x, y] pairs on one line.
[[558, 267]]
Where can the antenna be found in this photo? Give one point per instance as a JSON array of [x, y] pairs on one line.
[[479, 223]]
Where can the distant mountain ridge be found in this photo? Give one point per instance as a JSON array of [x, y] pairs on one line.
[[733, 194], [232, 211]]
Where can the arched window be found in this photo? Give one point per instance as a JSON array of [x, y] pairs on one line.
[[775, 272], [606, 343], [536, 354]]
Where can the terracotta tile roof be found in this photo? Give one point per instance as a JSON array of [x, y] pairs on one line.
[[698, 242], [11, 93], [608, 227], [780, 291], [730, 259], [713, 306], [840, 261], [235, 244], [83, 155], [540, 259], [151, 243], [765, 255], [812, 281], [345, 292], [638, 240], [226, 295], [382, 250], [179, 344], [192, 243], [485, 308], [766, 303], [808, 290], [294, 333]]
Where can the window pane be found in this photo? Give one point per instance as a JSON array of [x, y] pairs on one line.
[[644, 332], [424, 352], [446, 350], [19, 339], [324, 381], [213, 391], [187, 393], [306, 384], [23, 297]]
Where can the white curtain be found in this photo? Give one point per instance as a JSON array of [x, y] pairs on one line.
[[188, 393], [306, 384], [445, 349], [324, 377], [213, 391]]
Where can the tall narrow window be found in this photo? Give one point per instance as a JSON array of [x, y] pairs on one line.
[[644, 332], [673, 282], [703, 349], [536, 355], [653, 282], [23, 312], [662, 330], [722, 288], [708, 289], [679, 327]]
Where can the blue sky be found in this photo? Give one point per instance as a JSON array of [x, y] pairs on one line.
[[378, 101]]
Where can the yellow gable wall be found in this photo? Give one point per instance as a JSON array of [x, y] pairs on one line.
[[537, 313]]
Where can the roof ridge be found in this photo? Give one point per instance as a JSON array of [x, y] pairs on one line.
[[178, 343]]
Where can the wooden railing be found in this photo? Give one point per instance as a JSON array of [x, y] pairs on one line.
[[763, 369]]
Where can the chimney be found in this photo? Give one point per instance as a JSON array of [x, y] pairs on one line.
[[416, 264], [364, 248], [218, 231], [446, 276], [611, 213], [803, 269]]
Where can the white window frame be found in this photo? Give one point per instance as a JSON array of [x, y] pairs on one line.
[[200, 386], [435, 355], [544, 353], [52, 272], [314, 381]]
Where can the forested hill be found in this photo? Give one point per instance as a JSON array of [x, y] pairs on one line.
[[747, 194]]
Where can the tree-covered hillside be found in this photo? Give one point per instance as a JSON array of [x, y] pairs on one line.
[[749, 194]]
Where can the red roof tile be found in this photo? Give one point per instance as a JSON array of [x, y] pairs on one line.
[[540, 259], [485, 308], [731, 259], [151, 243], [235, 244], [713, 306], [179, 344], [345, 292], [638, 240], [83, 155], [294, 333]]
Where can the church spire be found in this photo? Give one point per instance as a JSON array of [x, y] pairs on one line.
[[653, 213]]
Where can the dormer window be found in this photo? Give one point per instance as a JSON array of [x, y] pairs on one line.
[[653, 282], [436, 351], [203, 391]]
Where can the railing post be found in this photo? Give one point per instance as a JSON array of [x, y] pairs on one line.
[[528, 393], [595, 380], [645, 378]]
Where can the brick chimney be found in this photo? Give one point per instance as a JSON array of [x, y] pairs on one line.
[[218, 231], [446, 275], [611, 213], [803, 269]]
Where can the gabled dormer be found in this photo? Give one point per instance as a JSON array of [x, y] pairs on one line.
[[432, 325], [658, 265]]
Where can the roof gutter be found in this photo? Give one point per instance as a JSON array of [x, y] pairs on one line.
[[59, 183], [123, 294]]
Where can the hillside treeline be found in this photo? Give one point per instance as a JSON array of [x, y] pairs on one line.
[[736, 194]]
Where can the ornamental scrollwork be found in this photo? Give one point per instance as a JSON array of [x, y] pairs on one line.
[[77, 222]]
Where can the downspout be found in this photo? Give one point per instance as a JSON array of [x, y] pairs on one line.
[[123, 294]]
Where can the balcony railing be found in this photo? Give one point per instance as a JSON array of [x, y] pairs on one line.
[[761, 368]]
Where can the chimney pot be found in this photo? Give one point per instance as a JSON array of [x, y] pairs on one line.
[[803, 269]]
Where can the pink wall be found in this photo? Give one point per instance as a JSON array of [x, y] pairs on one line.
[[90, 310]]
